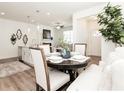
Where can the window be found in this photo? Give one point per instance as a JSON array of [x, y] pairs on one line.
[[68, 36]]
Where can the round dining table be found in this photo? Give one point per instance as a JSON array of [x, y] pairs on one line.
[[70, 66]]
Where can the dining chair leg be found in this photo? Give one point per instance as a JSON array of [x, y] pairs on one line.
[[77, 74], [37, 87]]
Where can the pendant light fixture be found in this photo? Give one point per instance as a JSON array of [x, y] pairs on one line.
[[38, 26], [58, 26], [28, 19]]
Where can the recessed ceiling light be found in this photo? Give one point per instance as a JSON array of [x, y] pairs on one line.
[[48, 13], [2, 13]]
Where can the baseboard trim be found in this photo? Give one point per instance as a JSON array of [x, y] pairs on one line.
[[8, 59], [94, 56], [26, 63]]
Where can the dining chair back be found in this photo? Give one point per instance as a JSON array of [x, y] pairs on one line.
[[41, 69], [48, 80], [80, 48], [46, 48]]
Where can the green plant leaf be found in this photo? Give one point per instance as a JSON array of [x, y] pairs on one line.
[[112, 24]]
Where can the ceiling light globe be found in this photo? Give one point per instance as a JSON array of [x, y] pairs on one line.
[[58, 27], [2, 13]]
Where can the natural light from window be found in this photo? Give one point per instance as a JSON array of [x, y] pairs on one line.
[[68, 36]]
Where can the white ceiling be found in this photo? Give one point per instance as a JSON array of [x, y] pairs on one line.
[[59, 12]]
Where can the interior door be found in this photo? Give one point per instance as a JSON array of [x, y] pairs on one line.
[[94, 38]]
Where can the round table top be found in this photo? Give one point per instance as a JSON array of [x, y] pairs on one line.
[[68, 64]]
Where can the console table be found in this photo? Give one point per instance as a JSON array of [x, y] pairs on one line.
[[25, 55]]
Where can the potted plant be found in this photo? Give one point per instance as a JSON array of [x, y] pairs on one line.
[[65, 52], [112, 24]]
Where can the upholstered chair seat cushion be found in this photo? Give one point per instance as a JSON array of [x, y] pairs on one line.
[[57, 79]]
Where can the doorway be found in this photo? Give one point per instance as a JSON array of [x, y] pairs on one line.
[[88, 28]]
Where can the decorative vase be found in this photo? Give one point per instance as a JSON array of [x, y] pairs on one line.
[[106, 49], [65, 53]]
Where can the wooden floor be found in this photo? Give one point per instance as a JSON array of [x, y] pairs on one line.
[[25, 81], [20, 81], [94, 60]]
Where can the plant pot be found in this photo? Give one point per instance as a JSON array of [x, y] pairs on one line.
[[106, 49]]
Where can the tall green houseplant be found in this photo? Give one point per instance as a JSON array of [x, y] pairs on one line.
[[112, 24]]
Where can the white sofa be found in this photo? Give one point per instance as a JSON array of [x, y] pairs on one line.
[[106, 76]]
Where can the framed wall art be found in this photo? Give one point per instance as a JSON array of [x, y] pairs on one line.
[[19, 34], [13, 39], [46, 34], [25, 39]]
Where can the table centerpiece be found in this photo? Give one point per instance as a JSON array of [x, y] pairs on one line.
[[65, 50]]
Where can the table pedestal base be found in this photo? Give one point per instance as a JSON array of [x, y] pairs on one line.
[[72, 74]]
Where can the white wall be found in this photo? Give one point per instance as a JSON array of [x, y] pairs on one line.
[[81, 33], [66, 28], [82, 14], [7, 28], [40, 32], [86, 27]]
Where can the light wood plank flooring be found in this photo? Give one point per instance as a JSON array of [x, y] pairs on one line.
[[20, 81], [25, 81]]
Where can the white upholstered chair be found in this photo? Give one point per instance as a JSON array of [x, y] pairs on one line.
[[117, 71], [46, 48], [49, 80], [80, 48], [108, 75]]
